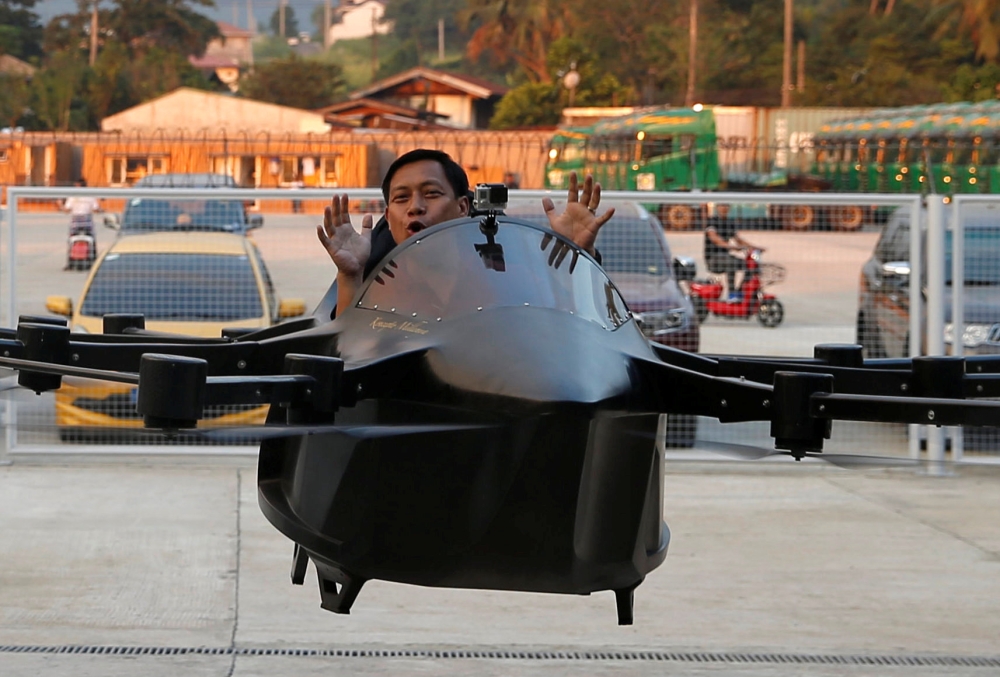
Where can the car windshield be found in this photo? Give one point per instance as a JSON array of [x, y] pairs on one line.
[[176, 287], [147, 214], [982, 251], [453, 269]]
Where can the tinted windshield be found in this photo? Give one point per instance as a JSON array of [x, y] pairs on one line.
[[452, 270], [178, 287], [981, 256], [155, 214]]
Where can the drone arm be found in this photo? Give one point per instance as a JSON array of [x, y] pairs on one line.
[[685, 391], [926, 410], [174, 389], [68, 370]]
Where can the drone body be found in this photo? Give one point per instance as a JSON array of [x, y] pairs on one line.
[[484, 416]]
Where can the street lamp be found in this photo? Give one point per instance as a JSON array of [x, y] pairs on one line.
[[571, 80]]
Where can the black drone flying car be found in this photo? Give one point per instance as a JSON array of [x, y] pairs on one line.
[[484, 415]]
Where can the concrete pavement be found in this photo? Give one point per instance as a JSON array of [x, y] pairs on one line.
[[775, 568]]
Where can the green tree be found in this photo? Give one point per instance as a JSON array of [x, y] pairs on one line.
[[295, 82], [534, 104], [109, 84], [291, 23], [860, 59], [973, 83], [404, 57], [977, 19], [417, 20], [170, 25], [654, 36], [519, 31], [317, 18], [20, 31], [15, 100], [55, 88]]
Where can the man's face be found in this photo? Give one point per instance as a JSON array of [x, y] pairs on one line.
[[420, 197]]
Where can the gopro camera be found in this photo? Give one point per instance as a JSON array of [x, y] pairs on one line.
[[490, 197]]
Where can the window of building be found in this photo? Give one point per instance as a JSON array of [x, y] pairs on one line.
[[127, 169]]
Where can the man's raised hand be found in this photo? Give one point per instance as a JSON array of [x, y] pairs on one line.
[[579, 222], [348, 249]]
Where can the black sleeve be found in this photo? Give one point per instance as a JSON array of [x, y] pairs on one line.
[[382, 244]]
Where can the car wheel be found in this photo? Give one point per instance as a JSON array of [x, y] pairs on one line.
[[868, 339], [681, 431], [771, 313]]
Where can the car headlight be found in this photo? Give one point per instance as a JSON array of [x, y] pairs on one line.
[[658, 322], [645, 181], [974, 335]]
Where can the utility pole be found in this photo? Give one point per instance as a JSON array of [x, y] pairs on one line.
[[374, 45], [251, 19], [786, 71], [281, 17], [692, 53], [327, 18], [800, 62], [93, 33], [440, 39], [236, 13]]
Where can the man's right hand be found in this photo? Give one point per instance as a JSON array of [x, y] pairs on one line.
[[348, 249]]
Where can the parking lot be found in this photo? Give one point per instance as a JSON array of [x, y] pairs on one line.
[[163, 564]]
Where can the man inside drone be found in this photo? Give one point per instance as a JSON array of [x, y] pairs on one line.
[[423, 188]]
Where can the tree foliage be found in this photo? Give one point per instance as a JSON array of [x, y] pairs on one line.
[[417, 21], [168, 25], [857, 53], [15, 100], [20, 31], [517, 31], [291, 22], [295, 82], [533, 104]]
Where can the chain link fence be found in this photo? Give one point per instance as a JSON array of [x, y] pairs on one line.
[[195, 261]]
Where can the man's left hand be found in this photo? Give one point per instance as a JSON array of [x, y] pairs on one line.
[[580, 221]]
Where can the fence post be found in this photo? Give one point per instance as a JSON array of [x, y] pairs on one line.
[[9, 420], [916, 303], [957, 310], [935, 313]]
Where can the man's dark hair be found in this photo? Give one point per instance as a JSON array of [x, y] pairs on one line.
[[452, 170]]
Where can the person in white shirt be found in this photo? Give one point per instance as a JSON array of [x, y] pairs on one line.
[[81, 209]]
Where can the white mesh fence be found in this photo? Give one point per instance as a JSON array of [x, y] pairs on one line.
[[196, 260]]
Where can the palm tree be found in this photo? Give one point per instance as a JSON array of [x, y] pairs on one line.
[[518, 30], [979, 18]]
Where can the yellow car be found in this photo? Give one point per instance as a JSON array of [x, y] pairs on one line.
[[192, 283]]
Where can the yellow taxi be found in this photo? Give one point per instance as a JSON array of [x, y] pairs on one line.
[[192, 283]]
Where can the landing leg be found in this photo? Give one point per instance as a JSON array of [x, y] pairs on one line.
[[625, 598], [300, 560], [338, 589]]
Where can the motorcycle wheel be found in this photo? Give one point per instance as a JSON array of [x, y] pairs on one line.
[[771, 313], [700, 308]]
